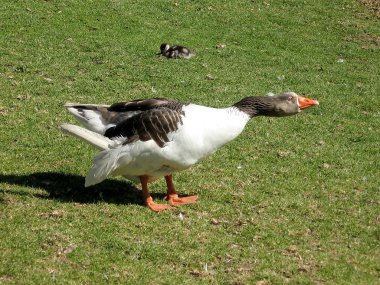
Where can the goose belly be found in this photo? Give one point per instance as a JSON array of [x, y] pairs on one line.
[[147, 158]]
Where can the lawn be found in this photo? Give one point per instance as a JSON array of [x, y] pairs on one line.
[[293, 200]]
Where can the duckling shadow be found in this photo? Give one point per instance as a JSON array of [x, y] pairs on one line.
[[70, 188]]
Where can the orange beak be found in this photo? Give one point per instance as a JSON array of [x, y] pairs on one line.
[[306, 102]]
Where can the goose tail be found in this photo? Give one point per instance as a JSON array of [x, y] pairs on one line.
[[90, 115], [104, 163], [88, 136]]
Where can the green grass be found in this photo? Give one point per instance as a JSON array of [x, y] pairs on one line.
[[292, 200]]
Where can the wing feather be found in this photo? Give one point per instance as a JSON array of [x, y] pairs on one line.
[[154, 124]]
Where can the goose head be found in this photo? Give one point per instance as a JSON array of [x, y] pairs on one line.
[[280, 105]]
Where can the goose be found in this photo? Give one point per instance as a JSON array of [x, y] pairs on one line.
[[175, 51], [145, 139]]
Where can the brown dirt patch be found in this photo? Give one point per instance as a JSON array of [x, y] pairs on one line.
[[373, 5], [366, 41]]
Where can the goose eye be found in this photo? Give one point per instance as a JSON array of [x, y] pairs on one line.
[[290, 99]]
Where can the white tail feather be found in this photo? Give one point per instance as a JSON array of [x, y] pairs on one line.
[[92, 138], [91, 118], [105, 162], [68, 105]]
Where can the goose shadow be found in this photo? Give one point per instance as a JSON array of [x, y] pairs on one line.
[[70, 188]]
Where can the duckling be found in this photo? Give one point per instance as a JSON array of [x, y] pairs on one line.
[[175, 51]]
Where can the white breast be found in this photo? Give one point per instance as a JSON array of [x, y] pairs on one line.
[[204, 130]]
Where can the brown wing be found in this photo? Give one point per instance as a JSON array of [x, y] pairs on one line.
[[154, 124], [119, 112], [145, 104]]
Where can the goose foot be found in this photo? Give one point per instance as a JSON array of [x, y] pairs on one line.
[[148, 200], [174, 200], [157, 207], [172, 196]]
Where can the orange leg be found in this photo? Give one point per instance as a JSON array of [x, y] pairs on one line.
[[172, 195], [148, 200]]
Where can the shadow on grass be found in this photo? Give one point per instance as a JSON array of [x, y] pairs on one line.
[[70, 188]]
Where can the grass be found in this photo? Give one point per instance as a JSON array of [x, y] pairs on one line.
[[292, 200]]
